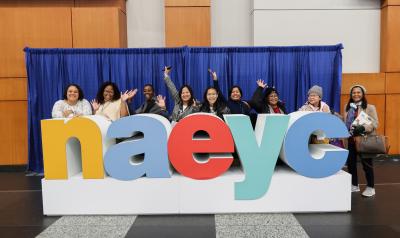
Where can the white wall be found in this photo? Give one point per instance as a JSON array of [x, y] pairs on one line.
[[316, 4], [355, 23], [231, 23], [145, 23]]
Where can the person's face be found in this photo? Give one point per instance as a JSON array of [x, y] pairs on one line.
[[273, 99], [356, 94], [212, 96], [148, 92], [185, 95], [235, 94], [72, 94], [108, 93], [314, 99]]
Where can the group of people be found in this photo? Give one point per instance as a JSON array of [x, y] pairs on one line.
[[112, 104]]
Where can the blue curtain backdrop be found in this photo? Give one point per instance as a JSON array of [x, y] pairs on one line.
[[291, 70]]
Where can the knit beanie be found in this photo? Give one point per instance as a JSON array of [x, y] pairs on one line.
[[358, 86], [315, 89]]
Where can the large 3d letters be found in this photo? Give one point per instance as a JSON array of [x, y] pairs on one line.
[[315, 160], [182, 146], [258, 151], [155, 129], [55, 135]]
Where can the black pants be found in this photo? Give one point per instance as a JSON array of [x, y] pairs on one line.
[[352, 167]]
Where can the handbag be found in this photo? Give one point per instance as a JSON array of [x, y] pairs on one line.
[[372, 144]]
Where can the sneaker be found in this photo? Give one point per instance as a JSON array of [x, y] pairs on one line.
[[30, 174], [355, 189], [369, 192]]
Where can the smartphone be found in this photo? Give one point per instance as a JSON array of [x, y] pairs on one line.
[[168, 67]]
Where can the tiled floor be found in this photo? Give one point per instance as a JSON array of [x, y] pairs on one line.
[[21, 216]]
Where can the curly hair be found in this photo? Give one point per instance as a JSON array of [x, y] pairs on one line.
[[100, 92], [80, 92]]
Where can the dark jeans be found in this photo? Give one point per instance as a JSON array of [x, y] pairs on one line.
[[352, 167]]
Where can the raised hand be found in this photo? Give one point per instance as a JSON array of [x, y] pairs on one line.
[[132, 93], [161, 101], [261, 83], [95, 105], [124, 96], [213, 74], [166, 71], [128, 95]]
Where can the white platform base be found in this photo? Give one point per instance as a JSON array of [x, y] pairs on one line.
[[288, 192]]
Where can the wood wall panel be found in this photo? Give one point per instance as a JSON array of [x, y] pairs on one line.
[[45, 24], [378, 101], [373, 82], [390, 3], [187, 3], [383, 40], [123, 30], [36, 3], [187, 26], [392, 122], [390, 38], [13, 89], [102, 3], [14, 132], [33, 27], [97, 27], [393, 83]]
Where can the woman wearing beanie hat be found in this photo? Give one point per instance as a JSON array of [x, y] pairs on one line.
[[268, 101], [357, 104], [314, 102]]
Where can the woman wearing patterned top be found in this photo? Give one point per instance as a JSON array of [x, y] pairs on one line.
[[72, 105]]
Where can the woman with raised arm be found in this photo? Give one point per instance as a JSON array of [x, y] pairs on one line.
[[184, 101], [268, 101], [235, 103], [213, 101]]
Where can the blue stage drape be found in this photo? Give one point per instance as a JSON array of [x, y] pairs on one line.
[[291, 70]]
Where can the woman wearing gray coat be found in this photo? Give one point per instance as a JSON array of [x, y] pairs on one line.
[[185, 103]]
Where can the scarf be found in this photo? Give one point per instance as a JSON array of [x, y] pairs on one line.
[[351, 114]]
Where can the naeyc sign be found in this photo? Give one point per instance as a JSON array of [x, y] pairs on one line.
[[284, 136]]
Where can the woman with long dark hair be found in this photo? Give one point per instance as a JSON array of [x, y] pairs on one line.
[[235, 103], [357, 104], [185, 104], [213, 101], [110, 103]]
